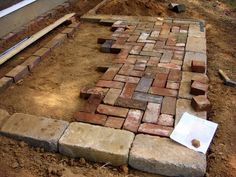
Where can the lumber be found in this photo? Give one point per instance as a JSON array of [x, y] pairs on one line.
[[34, 38]]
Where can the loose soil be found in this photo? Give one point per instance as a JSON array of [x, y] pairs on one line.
[[47, 82]]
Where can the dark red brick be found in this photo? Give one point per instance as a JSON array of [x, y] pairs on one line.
[[18, 73], [128, 90], [130, 103], [90, 118], [133, 120], [163, 91], [169, 66], [198, 66], [168, 105], [110, 84], [112, 110], [92, 103], [128, 79], [42, 53], [201, 103], [198, 88], [154, 129], [160, 80], [136, 50], [114, 122], [166, 120]]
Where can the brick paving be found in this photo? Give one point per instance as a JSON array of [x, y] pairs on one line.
[[157, 63]]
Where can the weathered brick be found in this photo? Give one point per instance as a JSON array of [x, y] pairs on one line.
[[60, 37], [69, 32], [18, 73], [111, 96], [201, 78], [147, 97], [92, 103], [152, 113], [112, 110], [75, 25], [196, 44], [198, 66], [190, 56], [169, 66], [126, 69], [166, 120], [114, 122], [148, 47], [175, 75], [85, 92], [136, 73], [90, 118], [160, 80], [136, 50], [5, 82], [31, 62], [110, 73], [154, 129], [130, 103], [133, 38], [128, 90], [110, 84], [53, 44], [42, 53], [201, 103], [151, 53], [140, 66], [144, 84], [168, 105], [172, 85], [163, 91], [133, 120], [166, 57], [128, 79], [198, 88]]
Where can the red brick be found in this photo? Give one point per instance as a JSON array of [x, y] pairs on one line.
[[126, 69], [114, 122], [133, 120], [152, 113], [85, 92], [106, 46], [136, 50], [31, 62], [166, 120], [160, 80], [111, 96], [168, 105], [92, 103], [121, 78], [159, 44], [112, 110], [153, 61], [201, 103], [110, 73], [110, 84], [175, 75], [133, 38], [5, 82], [18, 73], [198, 66], [128, 90], [154, 129], [42, 53], [136, 73], [130, 103], [169, 66], [171, 41], [144, 84], [201, 78], [140, 66], [174, 48], [163, 91], [172, 85], [198, 88], [90, 118], [69, 32]]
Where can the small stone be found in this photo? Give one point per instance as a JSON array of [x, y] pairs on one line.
[[196, 143], [124, 169]]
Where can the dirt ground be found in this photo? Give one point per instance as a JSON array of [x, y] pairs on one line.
[[55, 86]]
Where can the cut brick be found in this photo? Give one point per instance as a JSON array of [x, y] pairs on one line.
[[18, 73], [114, 122], [166, 120], [152, 113], [201, 78], [154, 129], [163, 91], [147, 97], [31, 62], [42, 53], [110, 84], [121, 78], [90, 118], [144, 84], [175, 75], [130, 103], [168, 105], [136, 50], [201, 103], [112, 110], [133, 120], [110, 73], [111, 96], [160, 80], [5, 82], [198, 66], [92, 103], [198, 88], [128, 90]]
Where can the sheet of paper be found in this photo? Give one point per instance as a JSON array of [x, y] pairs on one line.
[[191, 127]]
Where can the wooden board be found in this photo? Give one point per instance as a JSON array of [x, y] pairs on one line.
[[34, 38]]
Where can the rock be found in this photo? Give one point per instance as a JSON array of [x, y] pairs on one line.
[[165, 157], [196, 143]]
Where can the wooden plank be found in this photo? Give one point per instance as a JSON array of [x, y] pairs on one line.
[[34, 38]]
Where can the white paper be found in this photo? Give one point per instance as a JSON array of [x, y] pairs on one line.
[[191, 127]]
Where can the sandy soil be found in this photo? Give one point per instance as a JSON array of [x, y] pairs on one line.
[[19, 159]]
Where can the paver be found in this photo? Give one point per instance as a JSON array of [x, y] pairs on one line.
[[4, 115], [168, 105], [112, 110], [112, 96], [154, 129], [163, 156], [44, 132], [110, 73], [18, 73], [129, 79], [133, 120], [152, 113], [90, 118], [198, 66], [95, 143], [42, 53], [201, 103], [110, 84], [147, 97], [190, 56], [166, 120], [128, 90], [31, 62], [160, 80], [144, 84], [163, 91], [114, 122], [131, 103], [92, 103], [198, 88], [196, 44]]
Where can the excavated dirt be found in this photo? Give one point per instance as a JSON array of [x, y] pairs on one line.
[[17, 159]]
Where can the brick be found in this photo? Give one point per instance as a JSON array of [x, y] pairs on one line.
[[136, 50], [75, 25], [168, 105], [112, 110], [85, 92], [169, 66], [60, 37], [147, 97], [201, 78], [106, 46], [110, 73], [53, 44], [114, 122], [160, 80], [144, 84], [148, 47], [128, 90], [69, 32], [10, 36], [126, 69], [18, 73], [201, 103], [111, 96], [131, 59], [198, 88], [133, 38], [190, 56], [130, 103], [110, 84], [166, 120], [31, 62], [166, 57], [150, 53], [136, 73], [154, 129], [172, 85], [159, 44], [5, 82], [92, 103], [198, 66], [184, 90], [133, 120], [163, 91], [121, 78], [152, 113], [42, 53], [97, 119], [140, 66], [175, 75]]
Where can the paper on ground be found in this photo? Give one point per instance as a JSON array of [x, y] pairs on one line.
[[191, 127]]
